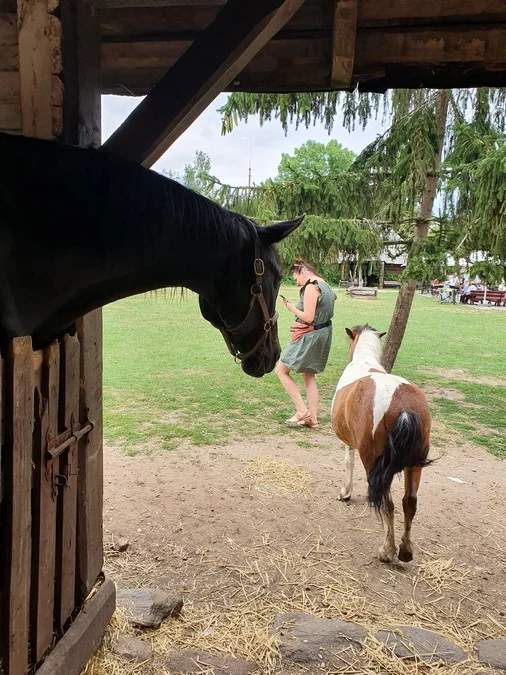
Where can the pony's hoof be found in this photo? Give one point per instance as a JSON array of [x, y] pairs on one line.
[[344, 496], [405, 555], [386, 556]]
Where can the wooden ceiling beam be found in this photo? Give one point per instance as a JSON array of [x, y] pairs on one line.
[[344, 34], [122, 4], [203, 71]]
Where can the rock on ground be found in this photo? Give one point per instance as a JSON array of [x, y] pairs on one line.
[[493, 653], [120, 544], [148, 607], [308, 639], [193, 661], [409, 641], [132, 649]]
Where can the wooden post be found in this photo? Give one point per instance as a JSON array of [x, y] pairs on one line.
[[67, 497], [90, 482], [44, 532], [18, 488], [81, 114], [343, 43]]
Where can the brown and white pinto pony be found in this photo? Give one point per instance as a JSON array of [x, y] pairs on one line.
[[387, 419]]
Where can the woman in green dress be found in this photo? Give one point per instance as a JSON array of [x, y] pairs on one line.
[[311, 337]]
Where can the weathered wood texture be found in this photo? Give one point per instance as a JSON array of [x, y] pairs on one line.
[[90, 479], [51, 545], [408, 43], [68, 470], [35, 68], [81, 61], [213, 60], [343, 43], [82, 639], [31, 89], [44, 501], [18, 486]]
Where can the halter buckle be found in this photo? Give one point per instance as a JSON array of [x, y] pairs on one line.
[[256, 289], [259, 267]]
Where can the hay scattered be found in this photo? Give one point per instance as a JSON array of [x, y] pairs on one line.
[[239, 601], [274, 476]]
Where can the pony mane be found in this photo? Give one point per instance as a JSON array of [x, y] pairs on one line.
[[368, 344]]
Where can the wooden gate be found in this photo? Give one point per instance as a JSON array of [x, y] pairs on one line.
[[51, 504]]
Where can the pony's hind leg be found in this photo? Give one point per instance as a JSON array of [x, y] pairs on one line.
[[411, 483], [349, 463], [387, 550]]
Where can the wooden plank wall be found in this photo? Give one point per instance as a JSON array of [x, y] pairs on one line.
[[31, 87], [49, 564]]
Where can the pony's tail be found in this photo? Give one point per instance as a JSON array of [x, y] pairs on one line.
[[403, 448]]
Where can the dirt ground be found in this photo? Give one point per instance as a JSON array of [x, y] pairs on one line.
[[254, 528]]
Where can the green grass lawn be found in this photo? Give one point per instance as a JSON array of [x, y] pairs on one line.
[[168, 374]]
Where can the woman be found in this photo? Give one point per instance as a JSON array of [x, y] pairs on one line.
[[311, 336]]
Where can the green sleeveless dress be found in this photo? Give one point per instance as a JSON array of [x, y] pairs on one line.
[[309, 354]]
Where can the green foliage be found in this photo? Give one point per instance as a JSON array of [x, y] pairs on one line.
[[195, 174], [489, 271], [314, 161]]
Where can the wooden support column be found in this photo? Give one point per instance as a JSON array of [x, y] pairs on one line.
[[343, 43], [40, 86], [82, 117], [18, 519], [203, 71]]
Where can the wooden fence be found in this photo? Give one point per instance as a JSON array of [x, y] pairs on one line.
[[50, 499]]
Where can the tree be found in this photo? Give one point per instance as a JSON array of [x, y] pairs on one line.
[[396, 177], [311, 181], [194, 174], [314, 161]]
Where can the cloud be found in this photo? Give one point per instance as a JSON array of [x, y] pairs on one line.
[[231, 154]]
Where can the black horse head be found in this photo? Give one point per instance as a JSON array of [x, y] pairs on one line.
[[81, 228], [243, 306]]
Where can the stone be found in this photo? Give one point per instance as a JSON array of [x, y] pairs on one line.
[[120, 544], [304, 638], [409, 641], [193, 661], [132, 649], [492, 652], [148, 607]]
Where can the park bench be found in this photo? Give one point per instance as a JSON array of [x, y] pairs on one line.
[[363, 292], [496, 297]]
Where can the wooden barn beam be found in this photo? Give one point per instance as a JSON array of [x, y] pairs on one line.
[[35, 68], [238, 33], [344, 35], [120, 4]]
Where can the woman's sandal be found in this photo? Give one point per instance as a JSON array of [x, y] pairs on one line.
[[307, 422], [298, 419]]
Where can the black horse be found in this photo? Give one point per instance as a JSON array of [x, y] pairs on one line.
[[80, 228]]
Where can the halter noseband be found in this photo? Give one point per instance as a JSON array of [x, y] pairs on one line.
[[257, 294]]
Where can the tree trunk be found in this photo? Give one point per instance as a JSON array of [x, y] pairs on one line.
[[407, 290], [382, 274]]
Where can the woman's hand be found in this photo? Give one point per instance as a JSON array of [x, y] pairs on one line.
[[288, 304]]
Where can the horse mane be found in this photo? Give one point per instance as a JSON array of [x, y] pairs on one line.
[[368, 344], [143, 201]]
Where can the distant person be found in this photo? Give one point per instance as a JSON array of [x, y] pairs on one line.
[[310, 340], [465, 293]]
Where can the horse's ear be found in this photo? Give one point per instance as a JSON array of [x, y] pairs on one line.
[[272, 234], [380, 335], [350, 333]]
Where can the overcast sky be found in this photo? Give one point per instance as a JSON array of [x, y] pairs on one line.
[[230, 154]]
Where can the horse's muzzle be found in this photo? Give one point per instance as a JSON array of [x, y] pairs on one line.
[[263, 361]]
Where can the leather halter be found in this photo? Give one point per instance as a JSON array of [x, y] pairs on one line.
[[257, 295]]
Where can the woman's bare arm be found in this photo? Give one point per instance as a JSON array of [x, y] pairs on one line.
[[311, 295]]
